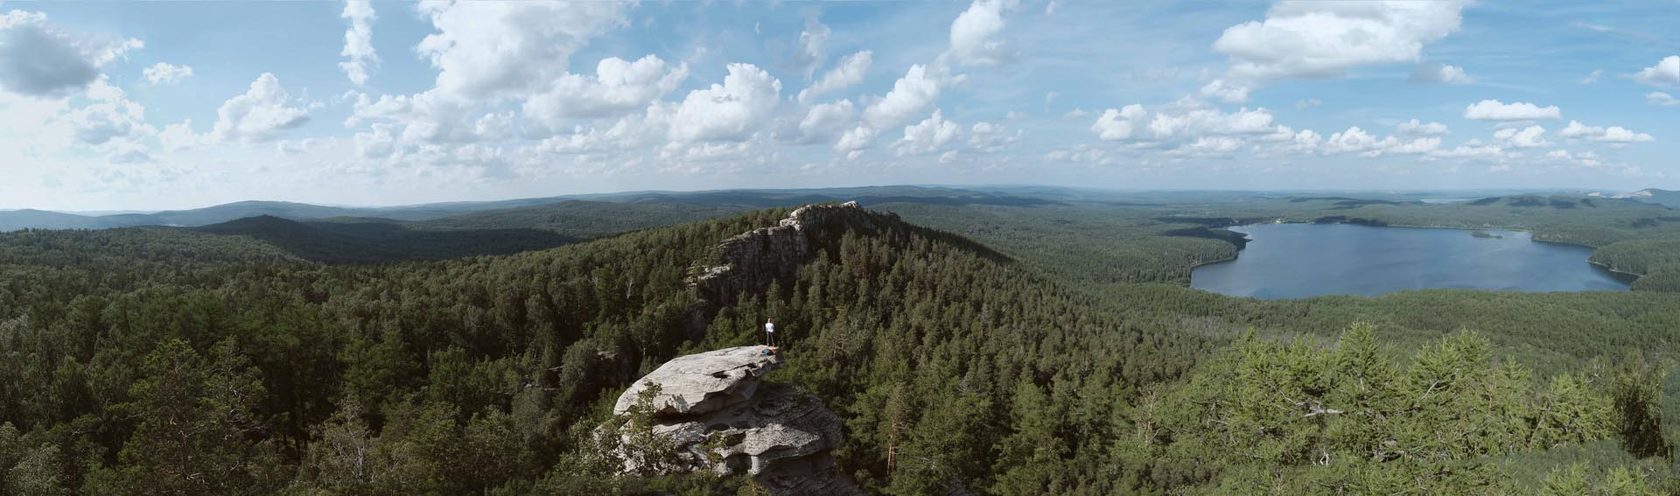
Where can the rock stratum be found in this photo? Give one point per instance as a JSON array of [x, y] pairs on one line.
[[715, 408]]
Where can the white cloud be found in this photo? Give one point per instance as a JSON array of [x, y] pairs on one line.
[[180, 136], [1325, 39], [1198, 122], [1660, 98], [1528, 137], [1583, 159], [1075, 113], [1308, 103], [424, 119], [1436, 73], [487, 50], [1415, 127], [927, 136], [1354, 140], [813, 42], [1494, 110], [1593, 76], [110, 123], [1184, 125], [1225, 91], [992, 138], [1666, 72], [1612, 134], [1122, 124], [849, 72], [161, 74], [376, 143], [259, 114], [358, 41], [730, 111], [855, 141], [618, 87], [973, 31], [1473, 150], [826, 120], [911, 95], [38, 58]]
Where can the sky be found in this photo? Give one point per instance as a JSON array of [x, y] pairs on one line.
[[156, 105]]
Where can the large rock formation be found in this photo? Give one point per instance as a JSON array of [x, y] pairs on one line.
[[715, 409], [754, 259]]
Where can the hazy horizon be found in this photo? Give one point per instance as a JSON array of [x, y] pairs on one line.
[[163, 105]]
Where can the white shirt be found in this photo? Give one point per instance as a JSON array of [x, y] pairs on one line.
[[770, 328]]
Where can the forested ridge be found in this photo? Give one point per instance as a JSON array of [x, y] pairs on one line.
[[165, 361]]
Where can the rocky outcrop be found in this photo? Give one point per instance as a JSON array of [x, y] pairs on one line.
[[755, 259], [716, 410]]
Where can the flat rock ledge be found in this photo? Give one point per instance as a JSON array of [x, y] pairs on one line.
[[722, 417]]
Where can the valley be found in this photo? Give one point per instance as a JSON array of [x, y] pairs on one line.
[[1008, 341]]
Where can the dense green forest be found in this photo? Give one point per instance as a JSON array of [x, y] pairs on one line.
[[1071, 360]]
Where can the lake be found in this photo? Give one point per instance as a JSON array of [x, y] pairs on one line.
[[1304, 260]]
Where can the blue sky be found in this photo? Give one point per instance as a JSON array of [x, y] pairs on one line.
[[149, 105]]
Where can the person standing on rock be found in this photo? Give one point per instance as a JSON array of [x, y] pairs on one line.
[[770, 334]]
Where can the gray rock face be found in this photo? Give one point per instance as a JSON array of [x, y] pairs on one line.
[[702, 382], [756, 258], [719, 414]]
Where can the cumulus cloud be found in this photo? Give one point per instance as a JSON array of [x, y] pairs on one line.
[[358, 41], [260, 114], [973, 31], [813, 45], [161, 74], [992, 138], [1436, 73], [111, 123], [826, 120], [618, 86], [427, 119], [1494, 110], [1612, 134], [1225, 91], [855, 141], [1416, 127], [38, 58], [849, 72], [911, 95], [1121, 124], [1528, 137], [1325, 39], [1660, 98], [927, 136], [1665, 73], [486, 50], [1181, 126], [1583, 159], [1473, 150], [730, 111]]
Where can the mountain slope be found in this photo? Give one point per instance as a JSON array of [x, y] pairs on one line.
[[350, 242]]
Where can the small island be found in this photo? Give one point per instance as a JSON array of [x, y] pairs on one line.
[[1485, 234]]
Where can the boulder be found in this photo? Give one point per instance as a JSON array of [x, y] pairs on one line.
[[702, 382], [720, 416]]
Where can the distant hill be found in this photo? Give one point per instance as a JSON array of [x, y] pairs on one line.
[[1664, 197], [530, 212], [368, 242], [12, 220]]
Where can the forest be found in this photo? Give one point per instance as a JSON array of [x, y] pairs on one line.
[[996, 342]]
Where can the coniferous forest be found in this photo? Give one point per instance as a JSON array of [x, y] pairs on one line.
[[970, 345]]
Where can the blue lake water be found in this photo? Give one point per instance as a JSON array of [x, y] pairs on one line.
[[1304, 260]]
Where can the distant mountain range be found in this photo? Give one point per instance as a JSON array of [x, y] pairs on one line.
[[714, 201]]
